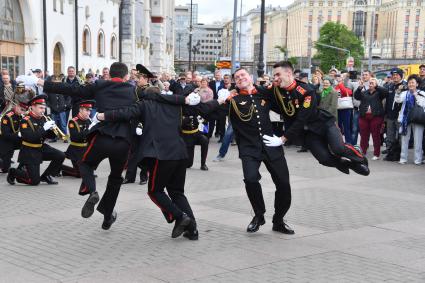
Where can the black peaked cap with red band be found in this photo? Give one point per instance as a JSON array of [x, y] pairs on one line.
[[87, 104], [38, 99]]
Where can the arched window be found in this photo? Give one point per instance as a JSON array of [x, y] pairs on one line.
[[86, 41], [359, 24], [101, 44], [113, 46]]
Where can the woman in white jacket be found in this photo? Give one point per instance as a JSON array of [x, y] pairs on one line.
[[409, 98]]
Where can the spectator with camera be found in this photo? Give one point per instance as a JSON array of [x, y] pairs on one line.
[[411, 118]]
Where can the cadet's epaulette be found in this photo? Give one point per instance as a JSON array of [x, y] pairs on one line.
[[301, 90]]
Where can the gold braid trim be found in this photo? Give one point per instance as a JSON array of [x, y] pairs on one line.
[[245, 117], [290, 110]]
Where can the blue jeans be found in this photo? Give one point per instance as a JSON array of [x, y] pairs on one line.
[[227, 139], [355, 127], [344, 123], [61, 121]]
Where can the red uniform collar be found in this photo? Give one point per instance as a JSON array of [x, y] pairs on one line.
[[246, 92], [117, 80], [291, 86]]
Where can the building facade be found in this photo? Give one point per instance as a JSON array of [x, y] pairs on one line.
[[78, 33]]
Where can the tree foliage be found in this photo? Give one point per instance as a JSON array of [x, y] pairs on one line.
[[282, 49], [340, 36], [293, 60]]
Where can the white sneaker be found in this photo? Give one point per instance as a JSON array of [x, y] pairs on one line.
[[218, 158], [402, 162], [375, 158]]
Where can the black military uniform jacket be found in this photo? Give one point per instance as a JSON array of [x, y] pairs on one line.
[[298, 106], [109, 95], [250, 118], [78, 130], [33, 137], [9, 139], [161, 138]]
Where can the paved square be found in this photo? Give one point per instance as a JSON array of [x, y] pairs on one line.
[[348, 229]]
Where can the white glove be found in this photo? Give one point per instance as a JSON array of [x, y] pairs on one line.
[[139, 131], [223, 94], [94, 121], [19, 134], [194, 99], [29, 81], [272, 141], [49, 125]]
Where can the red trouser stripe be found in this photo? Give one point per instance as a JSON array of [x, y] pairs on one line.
[[89, 148], [356, 152], [152, 189]]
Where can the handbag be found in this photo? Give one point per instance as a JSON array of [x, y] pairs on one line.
[[416, 115], [345, 103]]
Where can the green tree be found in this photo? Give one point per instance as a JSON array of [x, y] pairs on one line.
[[293, 60], [340, 36], [282, 49]]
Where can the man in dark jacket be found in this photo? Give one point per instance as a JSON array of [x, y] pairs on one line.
[[164, 151], [392, 109], [218, 124]]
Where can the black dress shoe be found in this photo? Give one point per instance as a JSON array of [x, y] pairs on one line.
[[204, 167], [191, 235], [255, 224], [385, 151], [283, 228], [181, 225], [127, 181], [48, 179], [143, 181], [361, 169], [11, 176], [107, 222], [88, 208]]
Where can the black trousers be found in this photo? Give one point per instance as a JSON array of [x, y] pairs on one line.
[[329, 149], [170, 175], [116, 151], [278, 170], [134, 162], [7, 160], [197, 139], [219, 125], [30, 173], [73, 171]]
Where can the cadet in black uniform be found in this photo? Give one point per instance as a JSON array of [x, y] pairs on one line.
[[249, 115], [192, 136], [164, 151], [78, 131], [143, 76], [35, 130], [315, 127], [10, 139]]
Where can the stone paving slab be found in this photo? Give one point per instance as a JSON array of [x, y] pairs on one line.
[[348, 229]]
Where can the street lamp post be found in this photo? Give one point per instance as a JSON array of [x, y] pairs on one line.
[[195, 50], [260, 65], [190, 37]]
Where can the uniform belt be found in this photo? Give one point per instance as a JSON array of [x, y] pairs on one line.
[[80, 144], [34, 145], [190, 131]]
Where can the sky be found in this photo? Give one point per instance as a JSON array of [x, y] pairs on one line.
[[213, 10]]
